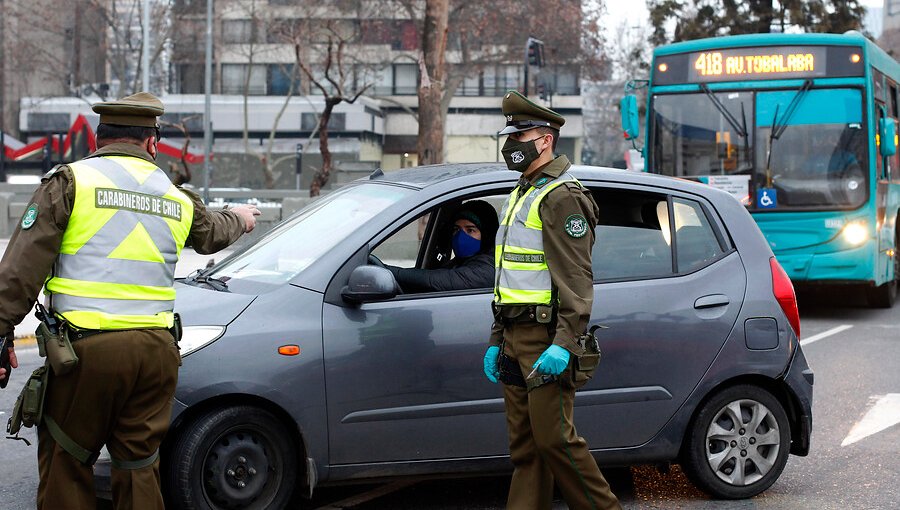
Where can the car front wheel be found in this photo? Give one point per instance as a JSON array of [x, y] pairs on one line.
[[238, 457], [739, 443]]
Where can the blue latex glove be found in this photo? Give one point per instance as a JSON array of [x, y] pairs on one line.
[[491, 368], [553, 361]]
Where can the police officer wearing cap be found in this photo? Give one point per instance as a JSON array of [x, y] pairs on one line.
[[102, 235], [542, 302]]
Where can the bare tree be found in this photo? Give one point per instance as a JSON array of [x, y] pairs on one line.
[[432, 68]]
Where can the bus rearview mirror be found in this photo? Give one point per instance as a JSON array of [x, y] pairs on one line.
[[888, 142], [630, 122]]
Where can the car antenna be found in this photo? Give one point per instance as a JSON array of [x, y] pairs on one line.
[[375, 174]]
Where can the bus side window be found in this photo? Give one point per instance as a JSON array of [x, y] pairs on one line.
[[893, 96], [879, 160]]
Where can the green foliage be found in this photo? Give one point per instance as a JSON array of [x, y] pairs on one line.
[[684, 20]]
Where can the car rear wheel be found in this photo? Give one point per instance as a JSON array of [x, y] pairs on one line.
[[235, 457], [738, 444]]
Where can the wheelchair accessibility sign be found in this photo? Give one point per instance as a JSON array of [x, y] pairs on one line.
[[766, 198]]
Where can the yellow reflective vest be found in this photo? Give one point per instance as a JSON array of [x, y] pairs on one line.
[[523, 277], [116, 264]]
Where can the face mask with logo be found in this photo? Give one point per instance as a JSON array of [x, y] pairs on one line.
[[464, 245], [519, 155]]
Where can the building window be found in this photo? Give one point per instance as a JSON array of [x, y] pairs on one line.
[[471, 85], [566, 81], [279, 80], [235, 78], [239, 31], [310, 121], [405, 79], [189, 79], [383, 81], [48, 122], [499, 79]]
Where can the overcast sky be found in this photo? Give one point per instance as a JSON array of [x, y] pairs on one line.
[[636, 12]]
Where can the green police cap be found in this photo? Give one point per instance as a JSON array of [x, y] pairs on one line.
[[139, 109], [522, 114]]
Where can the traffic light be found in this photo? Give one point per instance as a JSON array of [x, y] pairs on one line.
[[535, 52]]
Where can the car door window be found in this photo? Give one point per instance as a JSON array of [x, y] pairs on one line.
[[402, 248], [696, 243], [632, 235]]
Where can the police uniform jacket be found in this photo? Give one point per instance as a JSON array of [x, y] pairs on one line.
[[31, 252], [568, 258]]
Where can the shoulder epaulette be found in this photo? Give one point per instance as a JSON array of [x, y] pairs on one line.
[[52, 172]]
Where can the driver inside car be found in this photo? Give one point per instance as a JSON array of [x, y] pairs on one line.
[[474, 226]]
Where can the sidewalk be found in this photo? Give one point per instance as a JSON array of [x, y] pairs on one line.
[[189, 261]]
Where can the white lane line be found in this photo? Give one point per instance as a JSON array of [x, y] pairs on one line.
[[885, 413], [825, 334]]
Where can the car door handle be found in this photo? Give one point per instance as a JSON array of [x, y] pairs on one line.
[[711, 301]]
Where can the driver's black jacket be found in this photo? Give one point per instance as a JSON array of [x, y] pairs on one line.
[[475, 272]]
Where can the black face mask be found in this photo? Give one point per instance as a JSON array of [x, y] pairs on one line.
[[519, 155]]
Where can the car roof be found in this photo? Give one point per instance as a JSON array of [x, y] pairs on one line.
[[429, 175]]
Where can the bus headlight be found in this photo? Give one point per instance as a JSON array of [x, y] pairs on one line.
[[195, 337], [855, 233]]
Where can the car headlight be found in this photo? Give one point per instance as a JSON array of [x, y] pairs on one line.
[[855, 233], [195, 337]]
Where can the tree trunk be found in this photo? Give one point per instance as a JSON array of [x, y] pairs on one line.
[[322, 176], [430, 144]]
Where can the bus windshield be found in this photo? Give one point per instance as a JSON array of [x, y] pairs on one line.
[[816, 158]]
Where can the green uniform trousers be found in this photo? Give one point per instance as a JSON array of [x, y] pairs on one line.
[[120, 395], [543, 444]]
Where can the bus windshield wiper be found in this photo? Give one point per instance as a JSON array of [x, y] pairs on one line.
[[779, 125], [199, 276], [741, 130]]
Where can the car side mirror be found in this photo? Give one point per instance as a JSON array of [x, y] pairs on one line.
[[631, 126], [369, 283], [888, 134]]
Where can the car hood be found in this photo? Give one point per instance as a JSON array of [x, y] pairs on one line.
[[205, 307]]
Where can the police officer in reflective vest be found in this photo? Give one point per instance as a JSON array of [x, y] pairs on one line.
[[542, 303], [103, 235]]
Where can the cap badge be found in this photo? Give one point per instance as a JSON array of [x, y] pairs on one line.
[[517, 157], [509, 118]]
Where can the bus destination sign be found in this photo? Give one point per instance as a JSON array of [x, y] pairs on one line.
[[758, 63], [755, 63]]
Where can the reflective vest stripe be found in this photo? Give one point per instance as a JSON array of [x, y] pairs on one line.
[[107, 290], [117, 259], [525, 279], [523, 238], [523, 276], [115, 306], [135, 272]]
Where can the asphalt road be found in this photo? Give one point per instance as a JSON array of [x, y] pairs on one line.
[[854, 351]]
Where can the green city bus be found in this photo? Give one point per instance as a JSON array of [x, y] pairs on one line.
[[801, 128]]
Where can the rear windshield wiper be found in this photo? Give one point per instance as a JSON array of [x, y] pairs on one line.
[[198, 276]]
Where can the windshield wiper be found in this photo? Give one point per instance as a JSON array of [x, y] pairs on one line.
[[779, 126], [740, 129], [198, 276]]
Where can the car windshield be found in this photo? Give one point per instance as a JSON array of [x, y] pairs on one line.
[[298, 242]]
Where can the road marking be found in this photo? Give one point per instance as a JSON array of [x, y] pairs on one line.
[[826, 334], [884, 414]]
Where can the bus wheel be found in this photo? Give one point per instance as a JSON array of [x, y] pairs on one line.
[[884, 295]]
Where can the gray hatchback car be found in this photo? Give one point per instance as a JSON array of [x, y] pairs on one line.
[[305, 364]]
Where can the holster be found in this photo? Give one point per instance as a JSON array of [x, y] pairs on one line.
[[510, 373], [586, 363], [57, 348], [29, 408]]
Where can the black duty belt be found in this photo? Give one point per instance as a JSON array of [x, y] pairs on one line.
[[79, 334]]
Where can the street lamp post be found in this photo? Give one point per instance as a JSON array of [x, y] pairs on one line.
[[207, 111]]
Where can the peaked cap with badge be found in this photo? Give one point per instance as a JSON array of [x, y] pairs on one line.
[[139, 109], [523, 114]]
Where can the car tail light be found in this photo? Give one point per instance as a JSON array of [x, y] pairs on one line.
[[784, 293]]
